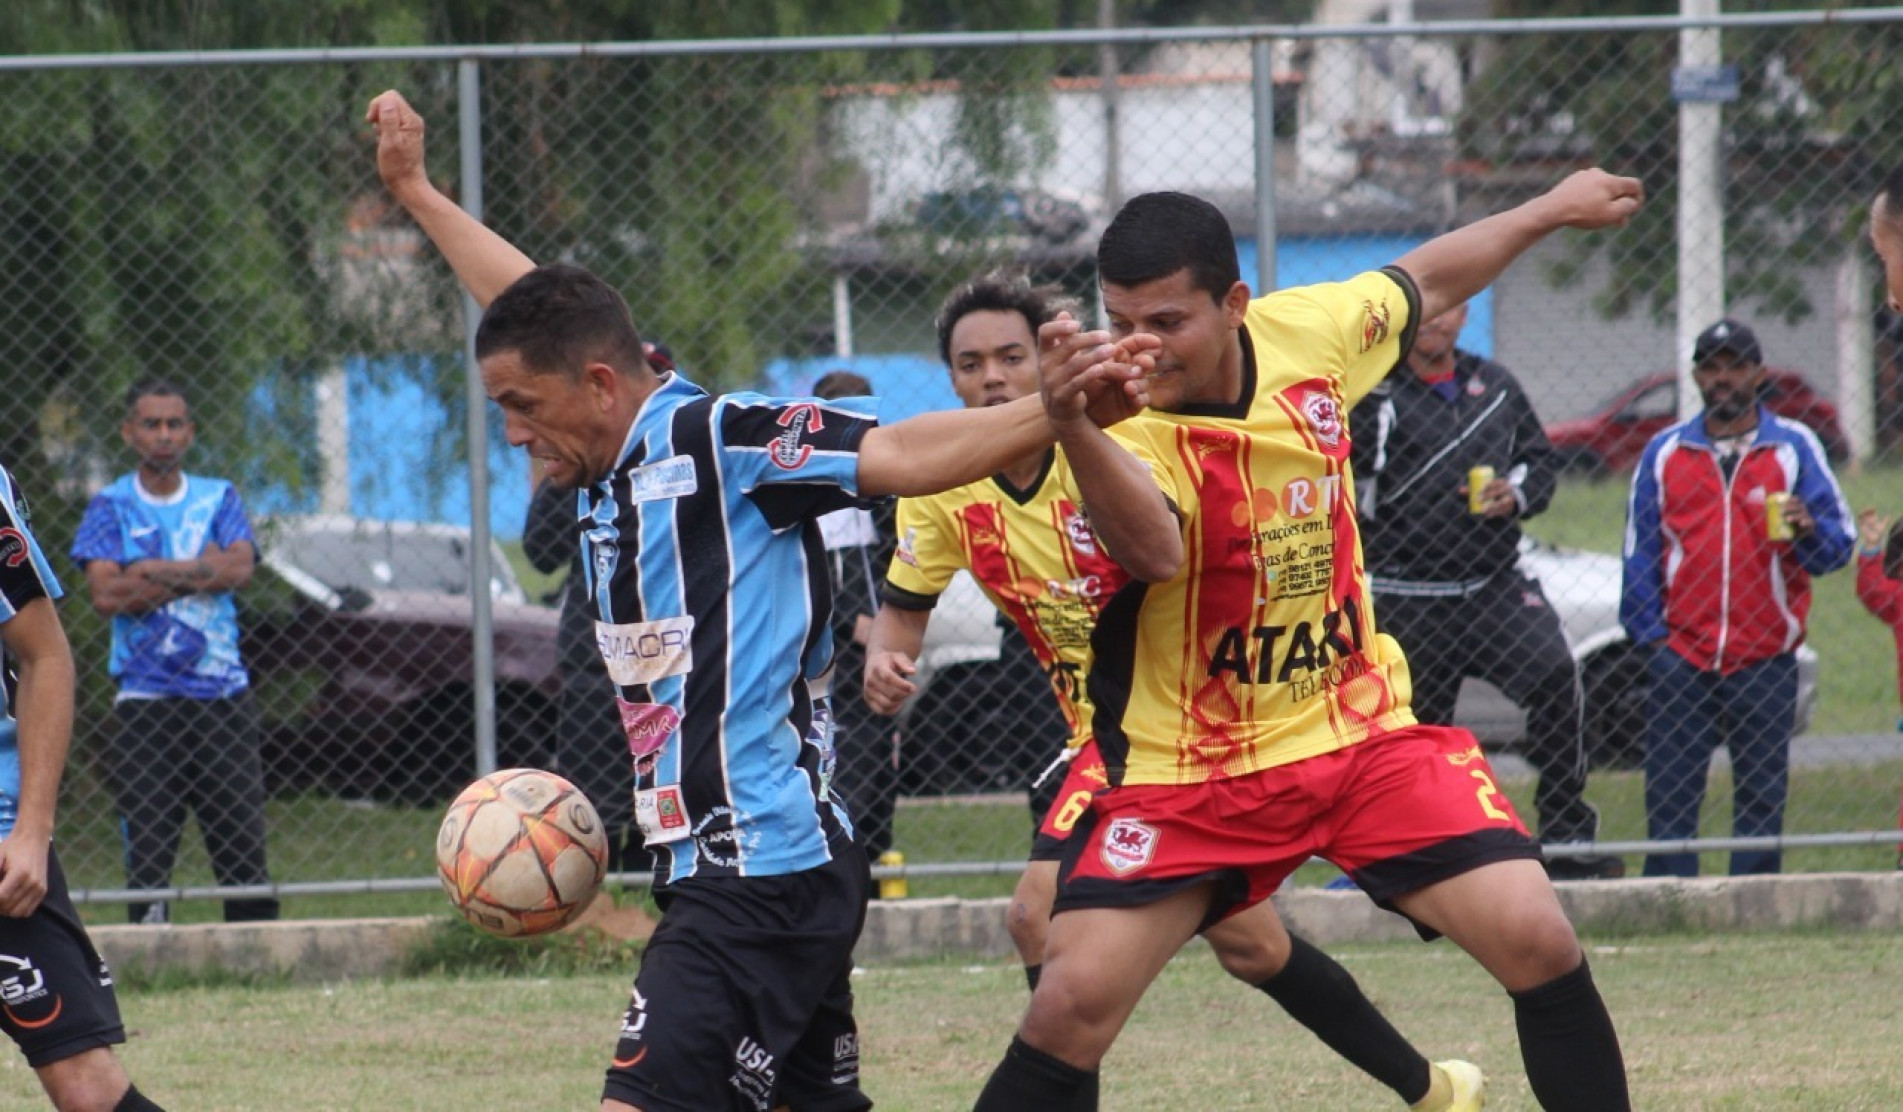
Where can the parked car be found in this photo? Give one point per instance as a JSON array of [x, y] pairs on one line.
[[365, 661], [1614, 436], [976, 725]]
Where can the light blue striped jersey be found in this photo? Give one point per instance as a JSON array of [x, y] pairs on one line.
[[710, 583], [25, 575]]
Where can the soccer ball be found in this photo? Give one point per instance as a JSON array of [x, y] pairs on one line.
[[521, 852]]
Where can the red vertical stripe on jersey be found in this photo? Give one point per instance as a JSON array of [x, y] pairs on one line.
[[1221, 547]]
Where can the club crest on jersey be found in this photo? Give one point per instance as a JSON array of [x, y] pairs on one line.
[[1374, 325], [1128, 845], [787, 452], [1323, 414], [1077, 528]]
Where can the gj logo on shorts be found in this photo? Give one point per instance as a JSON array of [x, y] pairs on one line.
[[1128, 845]]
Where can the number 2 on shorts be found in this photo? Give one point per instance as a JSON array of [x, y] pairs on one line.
[[1487, 793]]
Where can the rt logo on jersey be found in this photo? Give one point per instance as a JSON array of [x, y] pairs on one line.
[[787, 452]]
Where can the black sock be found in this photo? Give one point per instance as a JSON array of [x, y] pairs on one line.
[[1323, 997], [135, 1101], [1569, 1047], [1032, 973], [1029, 1080]]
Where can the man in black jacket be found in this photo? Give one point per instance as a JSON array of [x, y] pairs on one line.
[[1445, 564]]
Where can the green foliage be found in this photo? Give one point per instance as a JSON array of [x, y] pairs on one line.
[[1804, 145]]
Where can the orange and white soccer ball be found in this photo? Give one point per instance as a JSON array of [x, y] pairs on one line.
[[521, 852]]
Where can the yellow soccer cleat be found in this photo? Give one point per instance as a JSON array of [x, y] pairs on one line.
[[1469, 1084]]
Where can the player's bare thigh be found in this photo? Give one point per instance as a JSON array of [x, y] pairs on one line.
[[1030, 916], [1507, 916], [1097, 963]]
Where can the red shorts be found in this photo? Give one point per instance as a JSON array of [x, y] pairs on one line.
[[1084, 778], [1397, 813]]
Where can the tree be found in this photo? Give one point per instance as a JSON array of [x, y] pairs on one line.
[[1805, 144]]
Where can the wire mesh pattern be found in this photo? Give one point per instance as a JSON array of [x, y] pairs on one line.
[[772, 216]]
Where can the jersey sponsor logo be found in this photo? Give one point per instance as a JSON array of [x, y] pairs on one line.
[[1284, 654], [1077, 528], [13, 547], [641, 652], [1323, 414], [633, 1022], [846, 1059], [23, 984], [1128, 845], [1375, 321], [720, 838], [754, 1073], [673, 477], [908, 548], [648, 725], [787, 452], [661, 814]]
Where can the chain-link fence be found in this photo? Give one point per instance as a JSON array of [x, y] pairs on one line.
[[774, 213]]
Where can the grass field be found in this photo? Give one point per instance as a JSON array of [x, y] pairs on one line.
[[1747, 1021]]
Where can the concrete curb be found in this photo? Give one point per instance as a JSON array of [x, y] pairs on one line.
[[899, 930]]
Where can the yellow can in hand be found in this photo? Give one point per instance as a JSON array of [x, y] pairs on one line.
[[1477, 480], [1776, 526]]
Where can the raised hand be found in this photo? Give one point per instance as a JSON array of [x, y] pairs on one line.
[[1595, 199], [399, 142]]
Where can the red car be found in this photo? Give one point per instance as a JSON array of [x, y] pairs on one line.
[[1613, 438]]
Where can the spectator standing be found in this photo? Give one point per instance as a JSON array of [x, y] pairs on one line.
[[859, 544], [1444, 562], [65, 1017], [163, 551], [1732, 512]]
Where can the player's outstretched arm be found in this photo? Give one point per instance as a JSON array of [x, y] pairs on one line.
[[892, 651], [1453, 268], [484, 262], [938, 451], [1128, 513], [44, 713]]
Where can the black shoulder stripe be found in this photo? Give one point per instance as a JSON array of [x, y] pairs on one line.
[[902, 599], [1413, 294]]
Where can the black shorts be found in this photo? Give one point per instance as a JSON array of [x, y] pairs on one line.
[[744, 998], [56, 996]]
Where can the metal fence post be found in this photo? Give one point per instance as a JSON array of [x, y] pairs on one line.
[[1262, 80], [482, 617]]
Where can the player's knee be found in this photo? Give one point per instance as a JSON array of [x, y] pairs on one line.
[[1534, 949], [1028, 926], [1251, 958], [92, 1081]]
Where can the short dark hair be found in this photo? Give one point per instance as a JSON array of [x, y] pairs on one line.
[[1155, 235], [1000, 291], [1892, 196], [153, 388], [1893, 550], [559, 317], [842, 384]]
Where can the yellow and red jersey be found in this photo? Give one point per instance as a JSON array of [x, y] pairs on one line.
[[1033, 554], [1262, 650]]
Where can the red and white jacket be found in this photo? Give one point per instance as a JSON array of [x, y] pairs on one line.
[[1701, 574]]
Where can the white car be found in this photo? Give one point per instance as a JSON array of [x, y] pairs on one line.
[[1582, 586]]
